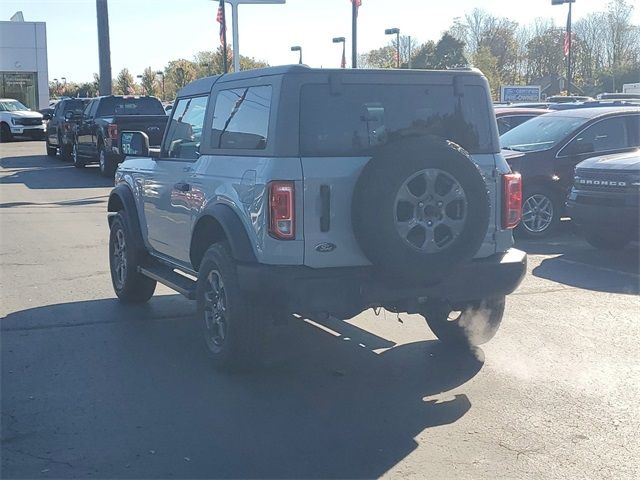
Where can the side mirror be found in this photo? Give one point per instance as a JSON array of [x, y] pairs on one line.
[[72, 116], [135, 144], [579, 148]]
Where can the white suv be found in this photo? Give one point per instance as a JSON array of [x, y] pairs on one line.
[[17, 120]]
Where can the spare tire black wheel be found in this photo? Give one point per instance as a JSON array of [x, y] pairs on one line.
[[420, 208]]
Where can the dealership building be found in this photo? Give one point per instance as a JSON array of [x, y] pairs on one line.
[[23, 62]]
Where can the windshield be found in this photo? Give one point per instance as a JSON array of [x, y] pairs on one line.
[[130, 106], [12, 106], [540, 133]]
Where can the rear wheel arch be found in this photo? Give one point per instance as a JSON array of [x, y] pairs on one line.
[[218, 224]]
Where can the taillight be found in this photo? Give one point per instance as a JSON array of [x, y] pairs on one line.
[[511, 200], [282, 216], [112, 130]]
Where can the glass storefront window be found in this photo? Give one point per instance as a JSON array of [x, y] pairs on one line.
[[20, 86]]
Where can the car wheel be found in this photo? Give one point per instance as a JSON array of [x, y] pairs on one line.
[[540, 213], [124, 258], [106, 163], [66, 151], [233, 329], [77, 161], [51, 151], [606, 241], [5, 133], [476, 323]]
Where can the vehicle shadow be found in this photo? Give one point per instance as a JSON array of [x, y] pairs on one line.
[[60, 174], [129, 392], [578, 264]]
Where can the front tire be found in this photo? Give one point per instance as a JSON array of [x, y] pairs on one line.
[[51, 151], [5, 133], [124, 258], [233, 330], [475, 324], [604, 241]]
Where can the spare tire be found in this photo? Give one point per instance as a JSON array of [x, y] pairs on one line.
[[420, 208]]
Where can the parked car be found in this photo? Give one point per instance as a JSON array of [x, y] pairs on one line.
[[568, 98], [605, 199], [17, 120], [97, 134], [619, 96], [313, 191], [546, 149], [509, 118], [61, 128]]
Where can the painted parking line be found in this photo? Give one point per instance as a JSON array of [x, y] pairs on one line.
[[604, 269]]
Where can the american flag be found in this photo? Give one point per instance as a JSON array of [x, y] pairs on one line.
[[357, 4], [221, 21], [567, 37]]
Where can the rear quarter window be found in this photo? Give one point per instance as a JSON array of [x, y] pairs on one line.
[[355, 119]]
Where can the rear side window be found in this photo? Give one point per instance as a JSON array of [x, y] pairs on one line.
[[357, 118], [241, 118], [130, 106], [185, 128]]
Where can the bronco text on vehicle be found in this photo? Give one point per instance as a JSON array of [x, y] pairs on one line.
[[297, 190]]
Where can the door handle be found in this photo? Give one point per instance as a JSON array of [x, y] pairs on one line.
[[182, 187]]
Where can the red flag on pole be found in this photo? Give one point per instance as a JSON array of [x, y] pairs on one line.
[[221, 21], [567, 37], [357, 4]]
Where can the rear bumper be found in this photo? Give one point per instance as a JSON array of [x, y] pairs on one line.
[[347, 291]]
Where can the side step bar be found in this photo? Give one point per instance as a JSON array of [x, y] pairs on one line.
[[171, 279]]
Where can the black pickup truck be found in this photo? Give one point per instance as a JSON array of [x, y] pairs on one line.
[[605, 199], [99, 127]]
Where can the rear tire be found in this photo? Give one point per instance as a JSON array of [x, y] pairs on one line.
[[540, 212], [476, 324], [233, 329], [107, 165], [124, 258], [606, 241], [78, 162]]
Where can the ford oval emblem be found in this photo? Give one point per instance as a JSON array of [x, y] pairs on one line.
[[325, 247]]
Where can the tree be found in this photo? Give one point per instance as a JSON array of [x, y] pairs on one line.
[[149, 82], [449, 52], [424, 57], [124, 84], [177, 74], [487, 63]]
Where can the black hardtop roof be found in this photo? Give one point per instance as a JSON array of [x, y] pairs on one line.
[[593, 112], [204, 85]]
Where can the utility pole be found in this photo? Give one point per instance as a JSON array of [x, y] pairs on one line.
[[355, 4], [104, 50], [568, 41]]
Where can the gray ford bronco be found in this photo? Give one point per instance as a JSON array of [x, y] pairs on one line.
[[292, 190]]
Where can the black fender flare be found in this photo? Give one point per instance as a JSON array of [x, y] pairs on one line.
[[234, 230], [122, 200]]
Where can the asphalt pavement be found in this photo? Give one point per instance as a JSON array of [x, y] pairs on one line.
[[94, 389]]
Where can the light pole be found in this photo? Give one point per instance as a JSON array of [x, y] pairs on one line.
[[343, 62], [297, 48], [567, 41], [162, 75], [396, 32], [143, 89], [234, 10]]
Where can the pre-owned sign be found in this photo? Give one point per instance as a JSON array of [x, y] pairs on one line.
[[518, 93]]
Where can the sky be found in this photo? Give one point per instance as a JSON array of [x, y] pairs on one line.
[[153, 32]]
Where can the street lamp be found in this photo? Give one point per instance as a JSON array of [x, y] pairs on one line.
[[64, 79], [143, 89], [297, 48], [343, 62], [567, 41], [396, 32], [234, 10], [162, 75]]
